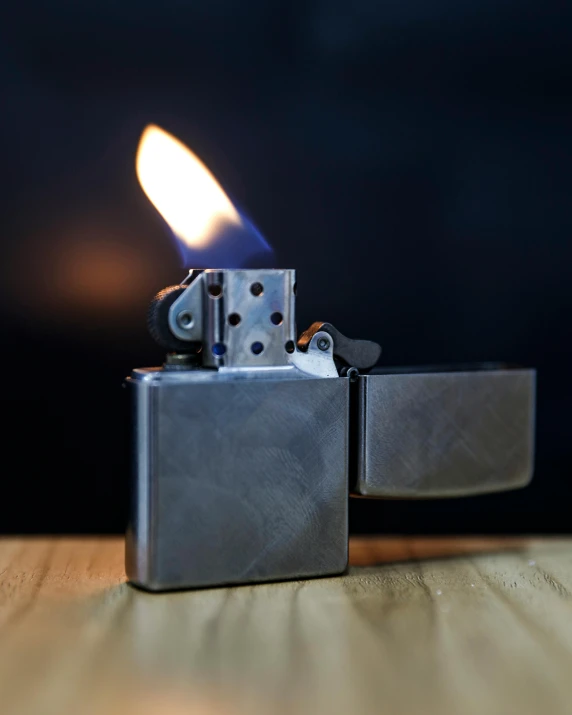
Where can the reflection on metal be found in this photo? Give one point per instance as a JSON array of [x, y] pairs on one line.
[[445, 434], [238, 480]]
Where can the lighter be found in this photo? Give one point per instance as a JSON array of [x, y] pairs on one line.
[[249, 442]]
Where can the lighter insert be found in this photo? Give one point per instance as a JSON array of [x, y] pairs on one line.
[[248, 442]]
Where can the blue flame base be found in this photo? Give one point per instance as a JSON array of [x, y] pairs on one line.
[[234, 246]]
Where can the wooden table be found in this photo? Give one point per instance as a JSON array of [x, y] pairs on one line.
[[445, 626]]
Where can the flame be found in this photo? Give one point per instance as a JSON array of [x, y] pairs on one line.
[[181, 188]]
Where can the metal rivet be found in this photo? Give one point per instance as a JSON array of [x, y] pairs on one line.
[[185, 319], [323, 344]]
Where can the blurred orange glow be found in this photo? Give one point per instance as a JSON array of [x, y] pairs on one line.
[[181, 188], [89, 273], [101, 275]]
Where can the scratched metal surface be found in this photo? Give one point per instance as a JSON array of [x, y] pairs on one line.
[[488, 629], [442, 434], [239, 481]]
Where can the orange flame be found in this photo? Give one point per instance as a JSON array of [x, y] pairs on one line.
[[181, 188]]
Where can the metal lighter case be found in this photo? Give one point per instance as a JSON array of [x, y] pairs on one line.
[[247, 443]]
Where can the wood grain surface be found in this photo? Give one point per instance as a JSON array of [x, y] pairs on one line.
[[417, 626]]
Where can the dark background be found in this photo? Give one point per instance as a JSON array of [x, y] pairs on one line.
[[411, 159]]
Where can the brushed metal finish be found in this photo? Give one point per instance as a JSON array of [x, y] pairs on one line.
[[237, 480], [445, 434]]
